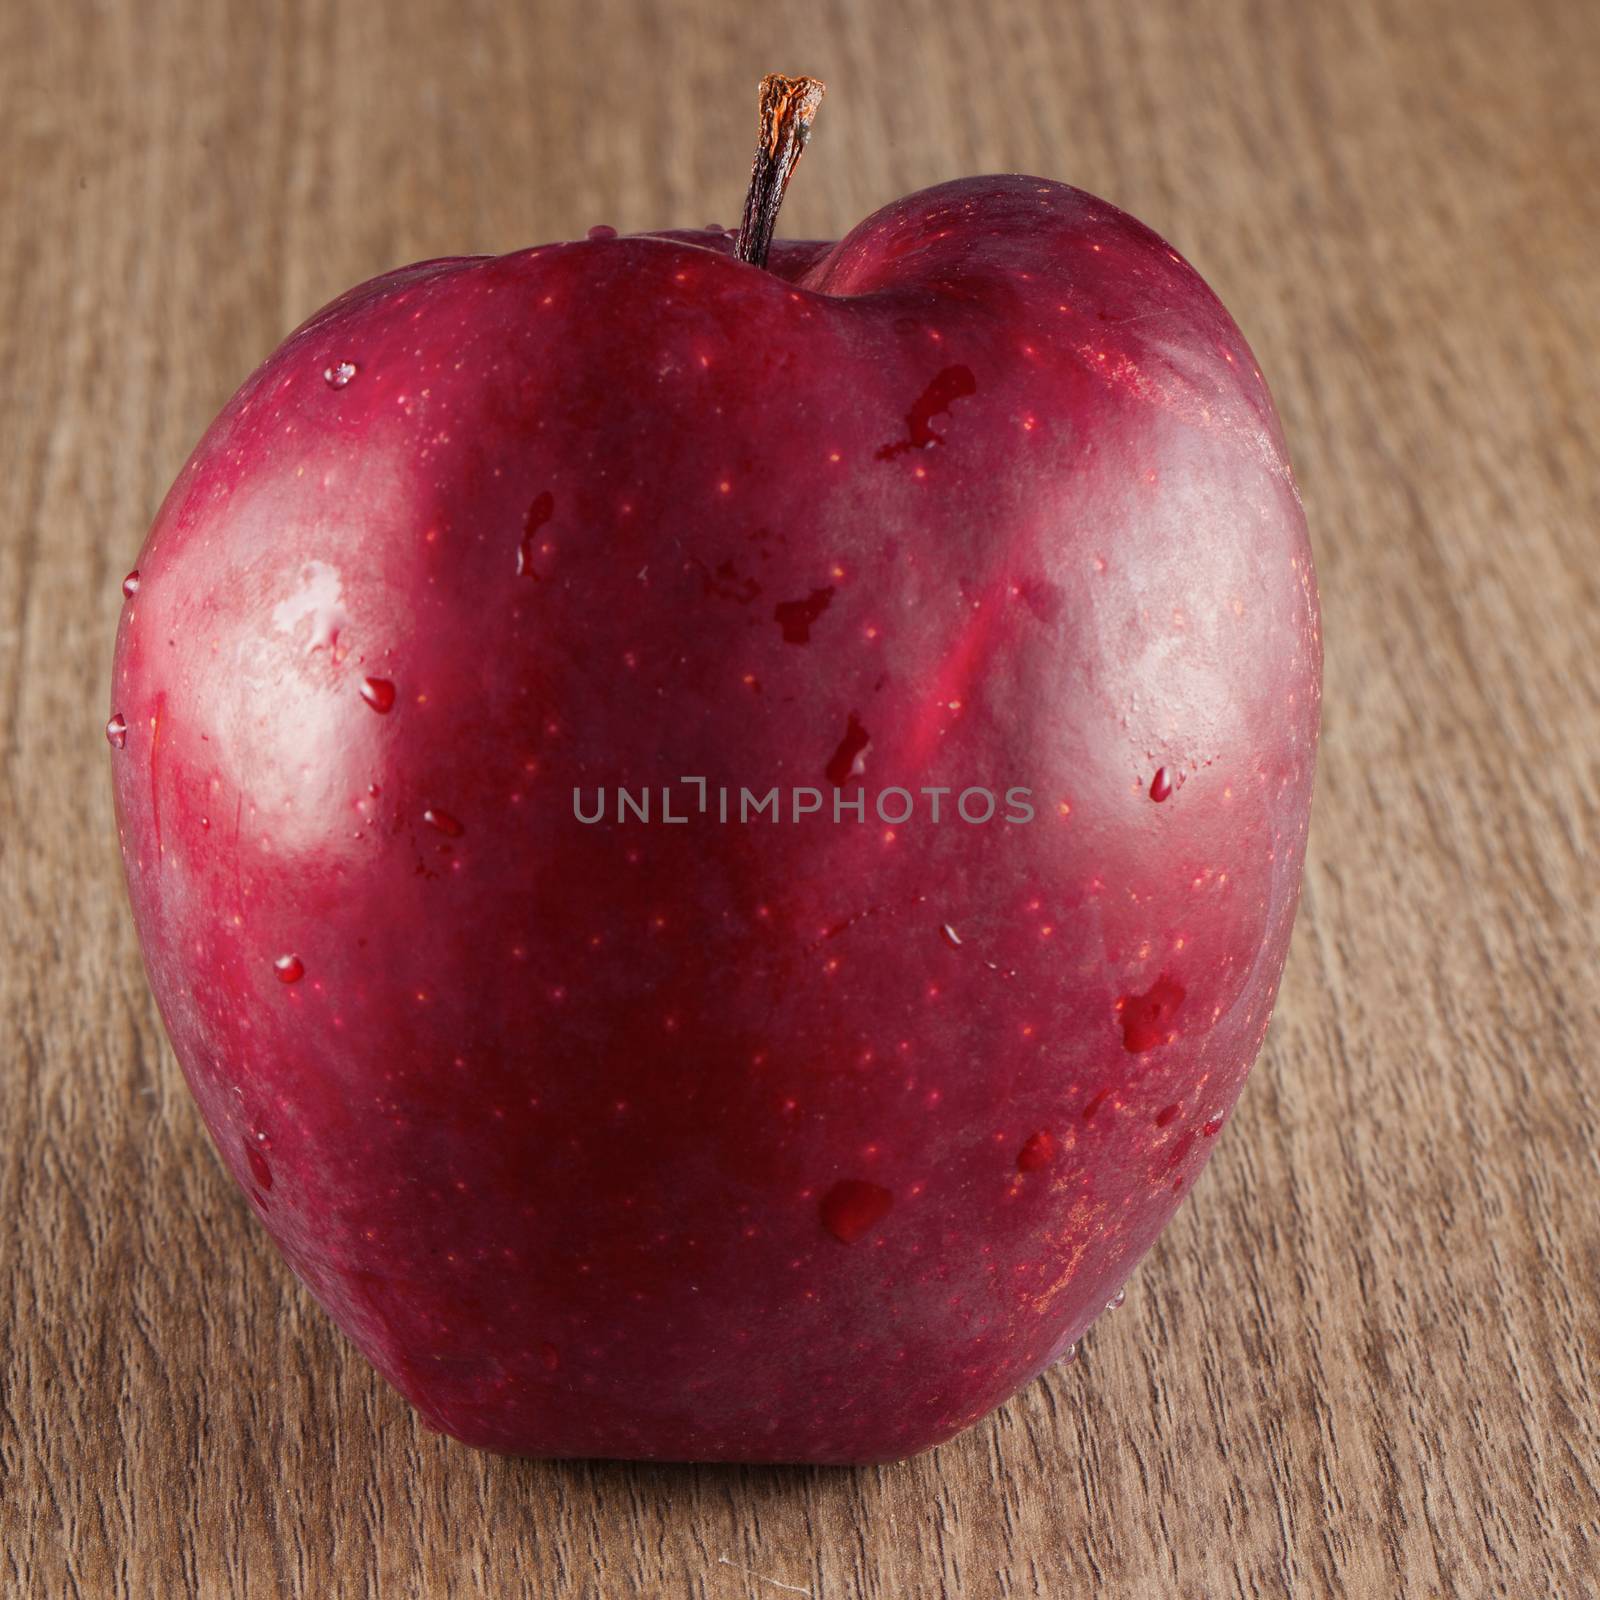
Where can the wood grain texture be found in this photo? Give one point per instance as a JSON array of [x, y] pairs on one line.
[[1363, 1360]]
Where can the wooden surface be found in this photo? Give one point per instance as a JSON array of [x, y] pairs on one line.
[[1363, 1360]]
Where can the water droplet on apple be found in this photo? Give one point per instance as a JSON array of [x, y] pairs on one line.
[[290, 968], [539, 513], [795, 617], [1166, 1114], [1160, 785], [1069, 1355], [1115, 1302], [1211, 1127], [1038, 1151], [117, 732], [852, 1207], [339, 374], [443, 821], [950, 936], [602, 230], [259, 1170], [379, 694], [1042, 597], [130, 584], [1147, 1018], [948, 386], [843, 764], [715, 227]]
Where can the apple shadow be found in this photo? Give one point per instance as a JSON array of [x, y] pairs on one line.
[[765, 1480]]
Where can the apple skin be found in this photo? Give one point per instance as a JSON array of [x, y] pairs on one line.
[[806, 1141]]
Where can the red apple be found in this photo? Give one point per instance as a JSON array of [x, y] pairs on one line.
[[795, 1137]]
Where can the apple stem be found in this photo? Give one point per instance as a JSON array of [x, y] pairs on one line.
[[787, 108]]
